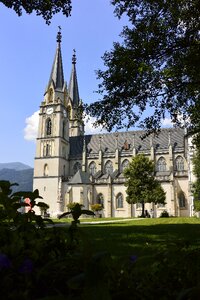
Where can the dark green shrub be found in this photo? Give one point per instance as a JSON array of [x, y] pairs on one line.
[[164, 214]]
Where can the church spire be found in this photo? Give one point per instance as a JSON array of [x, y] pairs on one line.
[[57, 75], [73, 83]]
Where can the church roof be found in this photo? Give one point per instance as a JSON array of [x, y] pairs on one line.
[[73, 84], [125, 141], [80, 177], [57, 75]]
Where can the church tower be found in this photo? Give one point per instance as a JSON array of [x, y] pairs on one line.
[[52, 146]]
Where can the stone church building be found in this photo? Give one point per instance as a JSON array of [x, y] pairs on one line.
[[73, 167]]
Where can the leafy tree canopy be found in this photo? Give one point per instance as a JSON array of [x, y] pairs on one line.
[[44, 8], [142, 187], [155, 66]]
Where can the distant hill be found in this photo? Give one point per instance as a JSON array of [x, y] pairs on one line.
[[19, 173], [15, 166]]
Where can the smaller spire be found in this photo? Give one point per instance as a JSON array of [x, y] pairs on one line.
[[73, 83]]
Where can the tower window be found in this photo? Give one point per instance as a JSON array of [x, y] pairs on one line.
[[47, 150], [63, 130], [46, 171], [48, 127]]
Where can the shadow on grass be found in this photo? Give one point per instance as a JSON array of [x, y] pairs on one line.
[[142, 240]]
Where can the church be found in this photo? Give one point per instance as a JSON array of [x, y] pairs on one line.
[[73, 167]]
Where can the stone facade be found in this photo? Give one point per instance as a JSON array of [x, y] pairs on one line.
[[73, 167]]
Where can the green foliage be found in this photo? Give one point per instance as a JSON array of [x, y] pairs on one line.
[[164, 214], [156, 65], [76, 211], [96, 207], [197, 205], [43, 263], [44, 8], [142, 187]]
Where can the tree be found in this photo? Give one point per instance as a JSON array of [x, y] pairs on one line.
[[44, 8], [142, 187], [155, 66], [196, 171]]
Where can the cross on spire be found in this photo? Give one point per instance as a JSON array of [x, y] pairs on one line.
[[74, 57], [59, 35]]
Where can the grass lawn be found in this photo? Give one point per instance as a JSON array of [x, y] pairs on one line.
[[143, 237]]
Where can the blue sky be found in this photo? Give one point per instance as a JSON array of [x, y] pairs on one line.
[[26, 55]]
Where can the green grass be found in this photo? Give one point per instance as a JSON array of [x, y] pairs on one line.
[[143, 237]]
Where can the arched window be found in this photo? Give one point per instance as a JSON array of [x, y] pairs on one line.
[[179, 163], [119, 201], [124, 164], [92, 168], [63, 130], [47, 150], [161, 164], [100, 200], [181, 200], [77, 166], [46, 170], [64, 171], [48, 126], [109, 167]]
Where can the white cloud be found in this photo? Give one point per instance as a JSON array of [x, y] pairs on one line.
[[90, 129], [167, 122], [31, 129]]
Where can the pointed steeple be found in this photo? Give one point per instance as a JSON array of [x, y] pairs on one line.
[[73, 83], [57, 75]]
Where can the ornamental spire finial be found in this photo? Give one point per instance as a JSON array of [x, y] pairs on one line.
[[59, 35], [74, 57]]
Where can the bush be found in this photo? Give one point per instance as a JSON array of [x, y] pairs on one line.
[[96, 207], [164, 214], [197, 205]]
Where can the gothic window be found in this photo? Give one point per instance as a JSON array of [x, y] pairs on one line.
[[77, 166], [179, 163], [182, 200], [48, 126], [119, 201], [46, 170], [64, 171], [92, 168], [124, 164], [63, 130], [100, 199], [47, 150], [108, 167], [161, 164]]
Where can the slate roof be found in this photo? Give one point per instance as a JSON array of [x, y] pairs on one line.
[[80, 178], [108, 142]]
